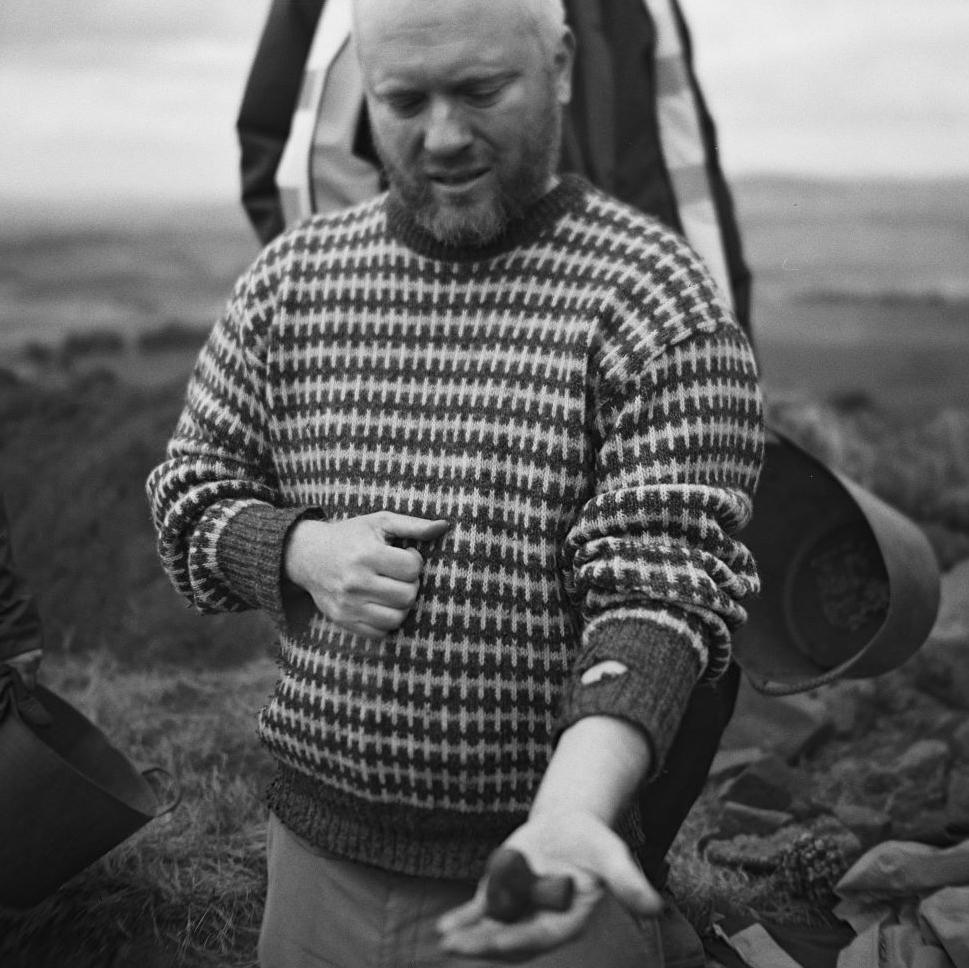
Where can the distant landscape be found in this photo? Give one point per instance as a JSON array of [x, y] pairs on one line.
[[859, 286]]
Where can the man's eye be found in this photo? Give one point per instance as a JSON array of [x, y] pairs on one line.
[[482, 97], [405, 104]]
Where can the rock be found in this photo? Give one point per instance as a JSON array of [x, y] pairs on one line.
[[924, 761], [911, 783], [851, 706], [952, 506], [847, 770], [730, 762], [769, 784], [957, 795], [878, 781], [790, 726], [945, 724], [738, 818], [942, 665], [869, 826], [953, 617], [919, 780], [926, 827], [908, 803], [950, 545], [960, 741], [941, 668]]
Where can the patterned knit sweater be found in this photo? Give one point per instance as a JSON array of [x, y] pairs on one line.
[[575, 399]]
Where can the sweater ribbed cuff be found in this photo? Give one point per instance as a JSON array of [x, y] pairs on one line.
[[662, 669], [250, 555]]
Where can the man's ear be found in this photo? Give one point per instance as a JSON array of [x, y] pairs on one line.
[[562, 65]]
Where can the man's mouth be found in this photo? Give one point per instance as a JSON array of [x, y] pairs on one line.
[[457, 179]]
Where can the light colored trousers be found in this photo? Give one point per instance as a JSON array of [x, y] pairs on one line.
[[325, 912]]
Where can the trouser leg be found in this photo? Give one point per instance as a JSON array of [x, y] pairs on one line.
[[324, 912]]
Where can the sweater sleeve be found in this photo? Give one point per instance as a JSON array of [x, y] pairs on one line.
[[652, 560], [215, 501]]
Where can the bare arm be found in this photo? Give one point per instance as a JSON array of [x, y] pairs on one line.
[[597, 766]]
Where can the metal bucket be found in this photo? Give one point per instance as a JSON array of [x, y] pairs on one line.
[[67, 796], [850, 584]]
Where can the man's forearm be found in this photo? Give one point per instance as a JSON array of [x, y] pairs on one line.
[[597, 766]]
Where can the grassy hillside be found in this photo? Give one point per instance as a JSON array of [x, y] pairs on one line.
[[73, 464]]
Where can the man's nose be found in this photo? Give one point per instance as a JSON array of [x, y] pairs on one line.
[[447, 129]]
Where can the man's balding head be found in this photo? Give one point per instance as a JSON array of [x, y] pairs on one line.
[[546, 18], [466, 101]]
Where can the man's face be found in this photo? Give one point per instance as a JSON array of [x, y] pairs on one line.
[[465, 104]]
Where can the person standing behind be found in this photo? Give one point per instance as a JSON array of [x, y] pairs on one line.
[[481, 446]]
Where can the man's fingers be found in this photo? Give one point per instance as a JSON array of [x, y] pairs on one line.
[[463, 916], [414, 529], [481, 936], [383, 618], [401, 564], [392, 593]]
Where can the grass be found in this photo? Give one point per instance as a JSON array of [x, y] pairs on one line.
[[73, 462], [188, 888], [182, 692]]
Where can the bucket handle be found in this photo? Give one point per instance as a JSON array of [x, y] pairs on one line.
[[171, 783]]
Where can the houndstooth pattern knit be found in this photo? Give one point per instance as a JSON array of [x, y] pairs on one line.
[[574, 399]]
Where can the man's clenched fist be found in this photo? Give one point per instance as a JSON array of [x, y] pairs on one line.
[[354, 573]]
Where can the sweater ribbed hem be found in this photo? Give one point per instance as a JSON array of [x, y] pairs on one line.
[[540, 216], [662, 669], [407, 840], [250, 555]]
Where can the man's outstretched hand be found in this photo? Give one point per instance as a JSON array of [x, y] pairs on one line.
[[562, 844], [355, 573]]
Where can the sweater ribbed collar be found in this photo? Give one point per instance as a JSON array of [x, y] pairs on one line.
[[564, 197]]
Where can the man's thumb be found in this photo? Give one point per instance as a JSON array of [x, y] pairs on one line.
[[416, 529]]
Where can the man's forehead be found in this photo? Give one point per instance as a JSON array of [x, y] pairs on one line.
[[419, 23], [444, 41]]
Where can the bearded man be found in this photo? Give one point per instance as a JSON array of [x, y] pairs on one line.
[[481, 447]]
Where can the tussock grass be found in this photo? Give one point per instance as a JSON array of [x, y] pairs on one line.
[[188, 888], [73, 465], [703, 889]]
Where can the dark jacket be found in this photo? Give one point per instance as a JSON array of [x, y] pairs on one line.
[[20, 628], [610, 134]]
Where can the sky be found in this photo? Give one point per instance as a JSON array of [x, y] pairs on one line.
[[108, 101]]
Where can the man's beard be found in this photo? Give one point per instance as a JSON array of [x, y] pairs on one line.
[[482, 222]]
